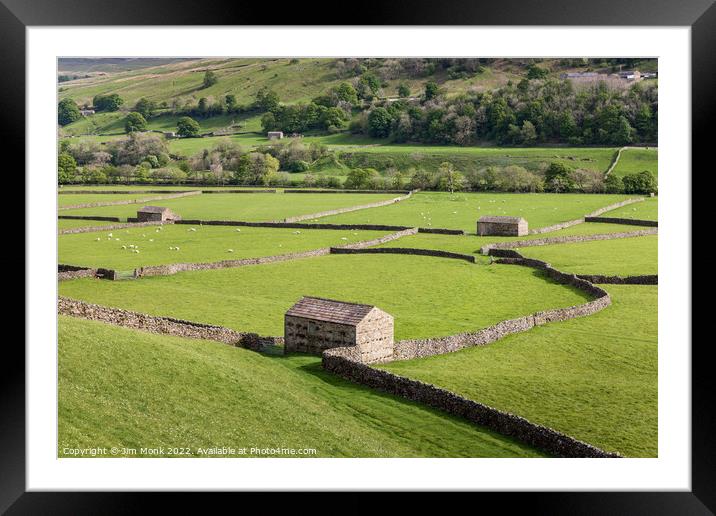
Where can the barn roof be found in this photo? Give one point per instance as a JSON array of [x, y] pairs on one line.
[[330, 310], [152, 209], [500, 219]]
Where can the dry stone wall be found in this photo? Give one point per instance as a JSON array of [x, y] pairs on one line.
[[343, 362], [290, 191], [646, 279], [163, 325], [629, 222], [88, 217], [111, 227], [489, 248], [404, 250], [174, 268], [128, 201], [595, 213], [348, 209]]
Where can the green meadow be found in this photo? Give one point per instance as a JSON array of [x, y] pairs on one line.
[[622, 257], [127, 249], [461, 210], [248, 207], [635, 160], [126, 388], [647, 210], [427, 296], [76, 199], [594, 378], [471, 243]]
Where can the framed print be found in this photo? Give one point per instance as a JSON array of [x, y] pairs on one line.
[[417, 253]]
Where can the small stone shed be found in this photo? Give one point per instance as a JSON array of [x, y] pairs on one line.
[[275, 135], [315, 324], [491, 225], [156, 214]]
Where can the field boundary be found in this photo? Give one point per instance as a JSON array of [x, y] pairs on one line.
[[645, 279], [340, 362], [129, 201], [348, 209], [163, 325], [615, 161], [628, 222], [404, 250], [595, 213], [111, 227], [487, 249], [67, 272]]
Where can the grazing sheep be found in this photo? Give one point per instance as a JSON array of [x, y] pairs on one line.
[[229, 250]]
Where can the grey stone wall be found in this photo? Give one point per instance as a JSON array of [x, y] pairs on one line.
[[595, 213], [348, 209], [128, 201], [110, 227], [290, 191], [163, 325], [88, 217], [646, 279], [489, 248], [344, 362], [293, 225], [174, 268], [404, 250], [629, 222]]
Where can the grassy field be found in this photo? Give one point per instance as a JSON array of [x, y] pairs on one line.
[[461, 210], [594, 378], [124, 388], [637, 160], [70, 223], [249, 207], [74, 199], [195, 243], [622, 257], [471, 244], [157, 187], [427, 296], [647, 210]]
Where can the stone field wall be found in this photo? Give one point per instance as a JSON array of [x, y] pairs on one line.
[[163, 325], [344, 363], [629, 222], [111, 227], [348, 209], [595, 213], [488, 249], [403, 250], [129, 201]]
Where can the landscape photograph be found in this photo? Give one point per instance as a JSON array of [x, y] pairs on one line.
[[358, 257]]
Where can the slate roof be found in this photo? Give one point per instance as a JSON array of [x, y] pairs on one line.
[[330, 310], [501, 219], [152, 209]]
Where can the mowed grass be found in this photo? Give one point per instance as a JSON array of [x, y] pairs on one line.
[[195, 243], [471, 243], [76, 199], [461, 210], [125, 388], [248, 207], [594, 378], [646, 210], [76, 223], [428, 296], [637, 160], [621, 257]]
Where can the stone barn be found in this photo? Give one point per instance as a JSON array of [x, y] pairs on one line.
[[494, 225], [275, 135], [315, 324], [156, 214]]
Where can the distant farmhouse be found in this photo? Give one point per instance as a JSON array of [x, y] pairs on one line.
[[315, 324], [275, 135], [156, 214], [86, 112], [497, 225]]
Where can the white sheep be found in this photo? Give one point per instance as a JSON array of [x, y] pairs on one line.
[[229, 250]]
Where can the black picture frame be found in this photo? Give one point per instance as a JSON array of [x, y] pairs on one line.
[[700, 15]]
